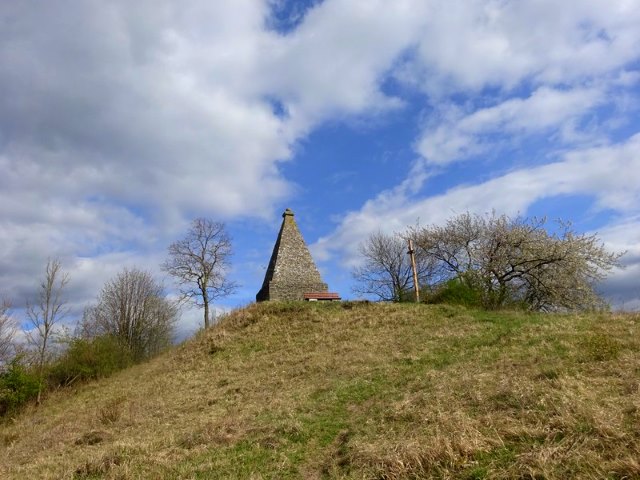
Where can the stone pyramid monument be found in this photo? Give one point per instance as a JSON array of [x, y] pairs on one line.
[[292, 274]]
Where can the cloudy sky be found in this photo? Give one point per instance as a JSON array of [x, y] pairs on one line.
[[121, 121]]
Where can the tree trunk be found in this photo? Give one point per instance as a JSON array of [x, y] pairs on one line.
[[205, 301], [41, 368]]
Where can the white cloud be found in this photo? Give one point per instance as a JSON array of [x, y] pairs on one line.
[[118, 120], [622, 236], [623, 286], [333, 64], [607, 174], [458, 136], [472, 44], [146, 110], [496, 73]]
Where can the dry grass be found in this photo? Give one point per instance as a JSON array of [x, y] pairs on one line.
[[355, 391]]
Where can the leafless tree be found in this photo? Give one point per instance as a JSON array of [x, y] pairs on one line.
[[46, 313], [386, 272], [200, 263], [7, 333], [516, 260], [132, 308]]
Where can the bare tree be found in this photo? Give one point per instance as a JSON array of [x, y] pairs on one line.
[[515, 260], [7, 332], [200, 263], [46, 313], [132, 308], [386, 272]]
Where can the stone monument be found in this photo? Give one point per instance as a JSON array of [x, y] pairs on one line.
[[292, 274]]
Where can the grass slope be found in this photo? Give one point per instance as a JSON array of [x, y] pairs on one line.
[[355, 391]]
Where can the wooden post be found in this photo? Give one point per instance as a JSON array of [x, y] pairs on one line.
[[416, 287]]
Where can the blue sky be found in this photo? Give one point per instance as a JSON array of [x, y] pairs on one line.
[[121, 121]]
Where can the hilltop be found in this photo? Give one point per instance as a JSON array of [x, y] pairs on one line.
[[354, 390]]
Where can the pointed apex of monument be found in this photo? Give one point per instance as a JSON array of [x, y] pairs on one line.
[[287, 213]]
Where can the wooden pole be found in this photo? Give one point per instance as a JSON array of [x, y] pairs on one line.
[[416, 287]]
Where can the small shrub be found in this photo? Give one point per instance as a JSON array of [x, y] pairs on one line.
[[94, 437], [599, 348], [112, 411], [407, 295], [89, 359], [457, 292], [17, 386], [99, 468]]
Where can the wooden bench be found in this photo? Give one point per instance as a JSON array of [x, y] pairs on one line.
[[321, 297]]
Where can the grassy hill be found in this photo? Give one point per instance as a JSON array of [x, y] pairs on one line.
[[355, 391]]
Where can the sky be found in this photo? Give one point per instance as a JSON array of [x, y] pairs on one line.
[[122, 121]]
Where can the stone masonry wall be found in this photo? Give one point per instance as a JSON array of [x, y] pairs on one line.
[[292, 271]]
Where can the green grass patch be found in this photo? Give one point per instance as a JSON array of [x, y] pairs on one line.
[[350, 391]]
